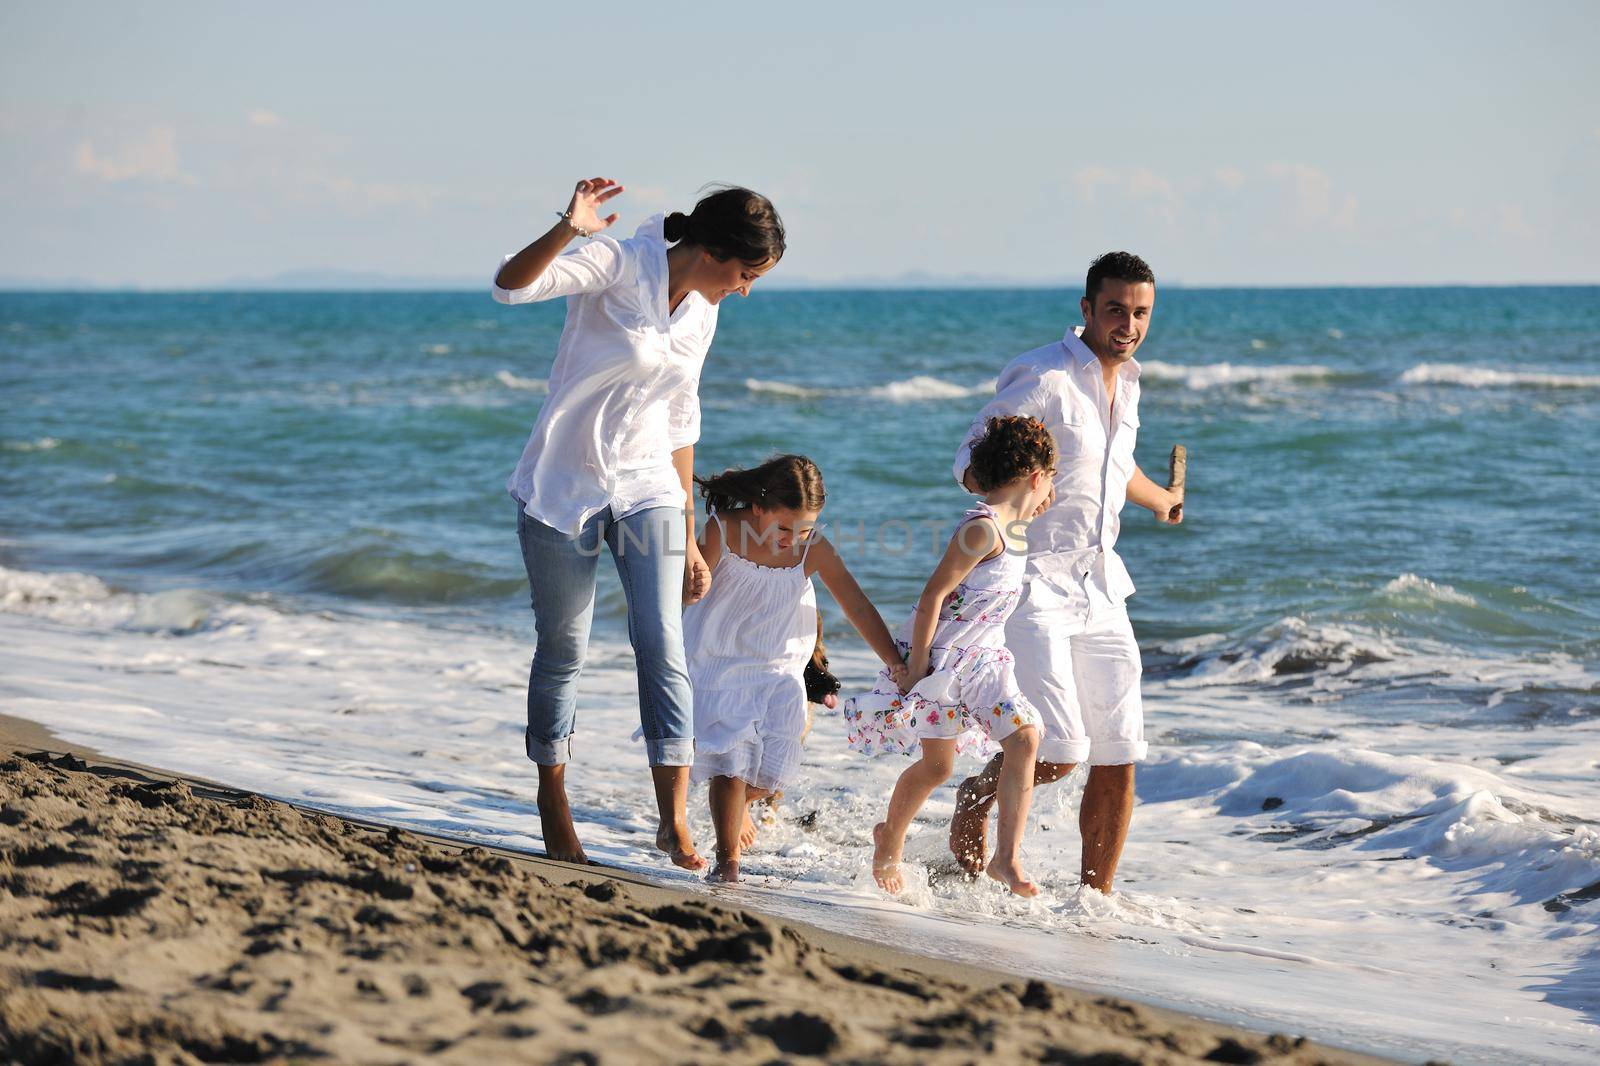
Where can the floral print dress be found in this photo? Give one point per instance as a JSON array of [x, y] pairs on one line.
[[970, 694]]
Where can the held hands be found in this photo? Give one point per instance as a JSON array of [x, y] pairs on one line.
[[897, 674], [584, 210], [1048, 502], [696, 575], [907, 676]]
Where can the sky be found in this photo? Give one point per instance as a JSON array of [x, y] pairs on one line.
[[181, 145]]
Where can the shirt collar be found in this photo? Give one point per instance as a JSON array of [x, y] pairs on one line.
[[1081, 357], [654, 226]]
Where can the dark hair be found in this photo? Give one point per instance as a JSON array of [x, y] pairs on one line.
[[791, 481], [1012, 446], [1123, 266], [731, 223]]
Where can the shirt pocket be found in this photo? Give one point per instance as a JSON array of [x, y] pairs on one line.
[[1127, 436], [1069, 434]]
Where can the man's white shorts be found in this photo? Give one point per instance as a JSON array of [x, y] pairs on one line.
[[1081, 668]]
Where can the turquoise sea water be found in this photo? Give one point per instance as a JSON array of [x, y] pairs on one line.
[[351, 448], [264, 538]]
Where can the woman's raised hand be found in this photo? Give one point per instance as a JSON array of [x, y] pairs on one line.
[[587, 199]]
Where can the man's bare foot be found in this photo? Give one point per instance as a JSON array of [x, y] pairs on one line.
[[726, 871], [1010, 874], [674, 840], [886, 860], [969, 827], [560, 838]]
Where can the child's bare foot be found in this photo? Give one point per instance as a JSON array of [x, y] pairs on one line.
[[560, 837], [674, 840], [726, 870], [1010, 874], [969, 827], [886, 860], [747, 833]]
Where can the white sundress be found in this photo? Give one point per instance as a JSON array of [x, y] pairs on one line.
[[970, 694], [748, 641]]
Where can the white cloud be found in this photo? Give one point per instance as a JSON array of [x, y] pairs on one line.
[[1513, 222], [1230, 178], [360, 197], [1089, 179], [263, 117], [1314, 202], [154, 158]]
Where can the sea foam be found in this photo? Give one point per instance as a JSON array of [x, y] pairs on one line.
[[910, 390], [1478, 377], [1225, 375]]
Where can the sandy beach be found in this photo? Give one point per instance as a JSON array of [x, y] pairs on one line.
[[149, 917]]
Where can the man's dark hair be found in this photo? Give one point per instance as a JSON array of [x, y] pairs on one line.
[[1123, 266]]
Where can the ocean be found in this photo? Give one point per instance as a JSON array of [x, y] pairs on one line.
[[264, 538]]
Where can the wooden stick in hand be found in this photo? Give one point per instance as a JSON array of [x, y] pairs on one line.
[[1177, 467]]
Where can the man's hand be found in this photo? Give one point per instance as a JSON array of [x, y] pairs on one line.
[[1170, 511], [1049, 502], [1166, 504], [696, 575]]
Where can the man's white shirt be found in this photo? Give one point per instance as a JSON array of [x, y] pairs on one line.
[[1072, 546]]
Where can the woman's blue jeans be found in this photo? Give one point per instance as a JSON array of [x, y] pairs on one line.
[[648, 548]]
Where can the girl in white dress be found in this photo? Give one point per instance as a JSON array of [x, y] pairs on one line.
[[750, 637], [960, 689]]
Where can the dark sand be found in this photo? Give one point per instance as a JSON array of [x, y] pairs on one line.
[[151, 918]]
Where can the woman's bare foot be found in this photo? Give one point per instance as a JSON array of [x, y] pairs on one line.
[[1010, 874], [969, 827], [886, 860], [726, 870], [747, 832], [555, 825], [674, 840]]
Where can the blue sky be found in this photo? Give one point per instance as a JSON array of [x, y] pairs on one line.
[[174, 145]]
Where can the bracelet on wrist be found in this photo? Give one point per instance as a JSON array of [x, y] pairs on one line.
[[566, 216]]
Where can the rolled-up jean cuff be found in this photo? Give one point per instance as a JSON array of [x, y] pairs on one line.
[[670, 752], [1053, 749], [1117, 753], [548, 752]]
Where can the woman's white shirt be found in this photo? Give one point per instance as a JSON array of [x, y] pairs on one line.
[[624, 389]]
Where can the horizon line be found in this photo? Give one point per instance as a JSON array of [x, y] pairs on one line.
[[10, 287]]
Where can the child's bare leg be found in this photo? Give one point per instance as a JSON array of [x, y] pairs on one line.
[[747, 831], [1015, 794], [969, 826], [729, 807], [672, 792], [910, 793]]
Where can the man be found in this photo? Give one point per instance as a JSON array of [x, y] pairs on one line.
[[1076, 655]]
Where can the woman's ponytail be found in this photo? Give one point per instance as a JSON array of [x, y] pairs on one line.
[[676, 227]]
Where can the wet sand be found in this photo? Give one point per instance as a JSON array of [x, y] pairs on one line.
[[149, 917]]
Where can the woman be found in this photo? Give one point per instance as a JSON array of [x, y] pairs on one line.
[[611, 459]]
